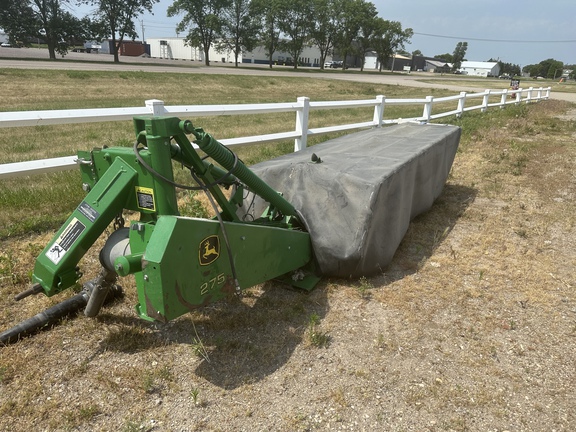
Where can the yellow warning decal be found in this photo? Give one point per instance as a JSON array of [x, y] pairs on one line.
[[145, 198]]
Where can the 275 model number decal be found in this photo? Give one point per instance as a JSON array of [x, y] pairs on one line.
[[213, 283]]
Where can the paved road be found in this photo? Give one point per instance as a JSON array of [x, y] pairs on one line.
[[21, 59]]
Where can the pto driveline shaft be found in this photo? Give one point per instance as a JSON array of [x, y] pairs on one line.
[[47, 317]]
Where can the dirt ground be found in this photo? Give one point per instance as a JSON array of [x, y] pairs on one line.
[[471, 328]]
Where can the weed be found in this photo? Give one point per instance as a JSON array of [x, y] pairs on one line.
[[3, 373], [148, 382], [194, 395], [380, 341], [165, 374], [363, 286], [87, 413], [439, 236], [76, 416], [316, 337], [339, 397], [153, 380], [198, 347], [133, 426], [7, 268]]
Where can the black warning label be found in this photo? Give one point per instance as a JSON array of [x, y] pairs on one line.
[[88, 211], [65, 241]]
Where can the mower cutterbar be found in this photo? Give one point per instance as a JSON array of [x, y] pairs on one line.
[[179, 263]]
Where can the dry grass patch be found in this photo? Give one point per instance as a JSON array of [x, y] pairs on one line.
[[472, 326]]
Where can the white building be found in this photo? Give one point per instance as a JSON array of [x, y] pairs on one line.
[[176, 49], [483, 69], [310, 56]]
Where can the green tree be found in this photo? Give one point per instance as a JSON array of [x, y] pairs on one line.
[[349, 17], [549, 68], [45, 19], [507, 68], [203, 19], [389, 38], [572, 68], [324, 30], [115, 19], [19, 20], [458, 55], [532, 70], [366, 33], [269, 36], [448, 58], [240, 26], [552, 68], [296, 24]]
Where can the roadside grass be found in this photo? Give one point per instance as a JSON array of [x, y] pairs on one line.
[[495, 83], [473, 320]]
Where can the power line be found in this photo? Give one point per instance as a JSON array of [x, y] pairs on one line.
[[160, 26], [495, 40]]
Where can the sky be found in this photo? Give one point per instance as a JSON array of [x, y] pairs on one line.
[[520, 32]]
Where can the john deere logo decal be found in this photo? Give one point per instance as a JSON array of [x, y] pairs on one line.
[[209, 250]]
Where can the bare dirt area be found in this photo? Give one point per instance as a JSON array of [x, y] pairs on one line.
[[471, 328]]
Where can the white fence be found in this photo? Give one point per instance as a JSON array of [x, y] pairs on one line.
[[302, 107]]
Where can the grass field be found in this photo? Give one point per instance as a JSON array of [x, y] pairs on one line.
[[471, 328], [44, 90]]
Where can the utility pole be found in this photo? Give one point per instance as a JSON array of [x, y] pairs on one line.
[[142, 27]]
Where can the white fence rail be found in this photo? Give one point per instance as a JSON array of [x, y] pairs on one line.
[[301, 107]]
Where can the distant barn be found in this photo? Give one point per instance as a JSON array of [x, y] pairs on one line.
[[483, 69]]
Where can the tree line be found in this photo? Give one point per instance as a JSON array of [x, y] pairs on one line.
[[550, 68], [346, 27]]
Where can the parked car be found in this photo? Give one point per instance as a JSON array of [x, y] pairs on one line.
[[5, 45], [336, 64], [327, 65]]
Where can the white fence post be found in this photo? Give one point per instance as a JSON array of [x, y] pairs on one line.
[[503, 98], [156, 107], [427, 112], [379, 110], [485, 100], [302, 123], [461, 104], [539, 93], [529, 94], [518, 96]]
